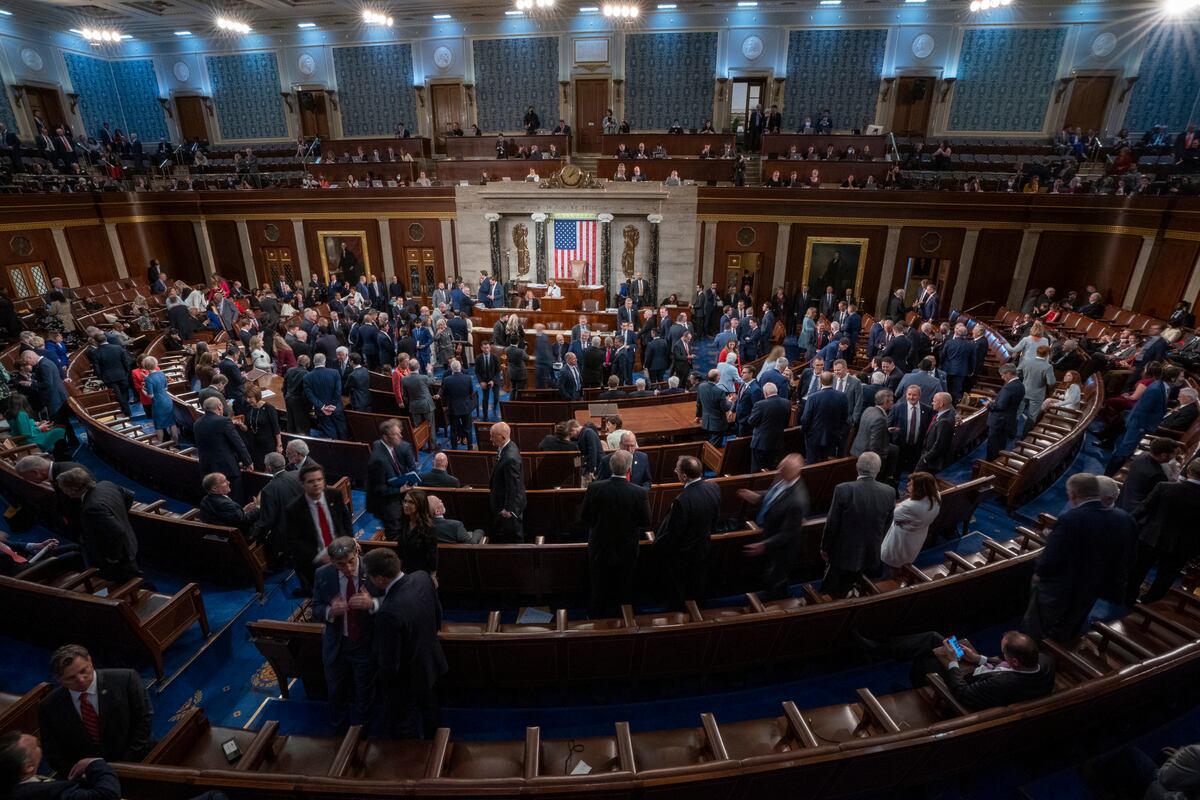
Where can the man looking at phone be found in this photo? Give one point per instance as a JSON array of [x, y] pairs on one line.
[[1020, 673]]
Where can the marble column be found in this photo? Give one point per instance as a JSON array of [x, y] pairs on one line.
[[708, 255], [385, 246], [114, 243], [247, 255], [890, 248], [606, 271], [494, 242], [1024, 266], [783, 241], [539, 238], [449, 262], [655, 220], [966, 261], [208, 262], [70, 274], [301, 251], [1144, 259]]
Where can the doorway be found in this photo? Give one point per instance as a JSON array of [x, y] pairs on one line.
[[27, 280], [314, 114], [914, 101], [591, 101], [1088, 106], [423, 273], [192, 119], [447, 100], [276, 263], [938, 271], [46, 103], [742, 269], [747, 93]]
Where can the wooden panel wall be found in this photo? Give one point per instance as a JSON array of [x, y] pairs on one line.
[[1071, 260], [172, 242], [42, 249], [798, 247], [92, 254], [1167, 277], [913, 243], [402, 236], [286, 232], [991, 272], [765, 236], [227, 250]]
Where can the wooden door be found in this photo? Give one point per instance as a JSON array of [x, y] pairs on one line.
[[591, 103], [1089, 102], [193, 122], [914, 101], [746, 94], [276, 262], [422, 271], [27, 280], [447, 99], [314, 115], [743, 268], [46, 103]]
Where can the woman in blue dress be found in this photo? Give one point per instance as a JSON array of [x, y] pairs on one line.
[[155, 388]]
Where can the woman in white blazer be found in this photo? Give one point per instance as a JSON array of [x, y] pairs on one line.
[[910, 524]]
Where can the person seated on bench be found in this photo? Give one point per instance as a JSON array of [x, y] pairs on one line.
[[20, 757], [218, 508], [450, 531], [15, 556], [1020, 673], [437, 474], [560, 440]]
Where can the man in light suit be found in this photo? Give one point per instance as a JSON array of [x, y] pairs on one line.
[[391, 457], [616, 512], [417, 397], [824, 421], [94, 713], [1003, 411], [768, 419], [781, 512], [873, 436], [939, 439], [1037, 374], [712, 404], [342, 600], [507, 486], [859, 516]]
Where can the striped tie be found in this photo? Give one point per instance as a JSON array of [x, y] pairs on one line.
[[91, 720]]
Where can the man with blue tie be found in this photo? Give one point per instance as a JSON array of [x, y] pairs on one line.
[[323, 388], [569, 381], [458, 394], [342, 601], [768, 419], [781, 513], [824, 420], [1003, 410]]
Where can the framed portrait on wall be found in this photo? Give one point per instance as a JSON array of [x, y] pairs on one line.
[[836, 262], [344, 253]]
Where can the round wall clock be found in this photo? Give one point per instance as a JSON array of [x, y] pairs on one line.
[[752, 48], [922, 45], [931, 241], [271, 232], [443, 57]]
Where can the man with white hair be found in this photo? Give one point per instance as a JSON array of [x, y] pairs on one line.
[[639, 471], [672, 386], [450, 531], [51, 392], [640, 390], [767, 421], [939, 439], [323, 388], [727, 373], [1185, 414], [859, 516]]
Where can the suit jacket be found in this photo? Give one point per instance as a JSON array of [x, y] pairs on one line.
[[125, 718], [507, 482], [680, 364], [1002, 411], [487, 368], [458, 393], [326, 589], [1086, 557], [1038, 377], [219, 446], [657, 355], [828, 305], [896, 310], [381, 468], [691, 522], [958, 357], [615, 512], [407, 652], [301, 533], [1181, 418], [112, 363], [1143, 475], [1168, 517], [859, 516], [1000, 687], [273, 501], [569, 383], [783, 521], [98, 782], [872, 436], [747, 399], [711, 406], [50, 387], [439, 478], [593, 366], [639, 473], [768, 419], [1150, 408], [417, 398], [358, 387], [939, 444], [900, 350], [825, 415]]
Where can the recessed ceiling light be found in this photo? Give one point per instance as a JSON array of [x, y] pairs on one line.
[[233, 25], [75, 31], [914, 1], [376, 18], [306, 25], [831, 2], [183, 33], [5, 13], [666, 6], [747, 3], [443, 16], [514, 13]]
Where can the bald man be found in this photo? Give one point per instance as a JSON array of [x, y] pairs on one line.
[[438, 474], [781, 512], [507, 487], [939, 440]]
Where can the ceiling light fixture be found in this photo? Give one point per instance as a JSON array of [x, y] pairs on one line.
[[306, 25], [530, 5], [831, 2], [511, 13], [183, 33], [666, 6], [375, 18], [99, 36], [232, 25], [988, 5], [621, 11], [5, 13], [747, 3], [1176, 8], [443, 16]]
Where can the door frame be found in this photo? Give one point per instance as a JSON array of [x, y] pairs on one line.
[[73, 118], [335, 118], [887, 108], [1109, 124], [608, 102], [430, 83], [723, 114], [176, 127]]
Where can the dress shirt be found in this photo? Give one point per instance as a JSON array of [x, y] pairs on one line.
[[91, 692], [313, 506], [914, 417]]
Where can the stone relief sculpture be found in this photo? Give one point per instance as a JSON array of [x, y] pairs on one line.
[[632, 237], [520, 237]]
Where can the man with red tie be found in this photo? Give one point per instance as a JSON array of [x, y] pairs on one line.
[[342, 600], [94, 713], [313, 522]]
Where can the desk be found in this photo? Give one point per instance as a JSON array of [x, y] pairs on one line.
[[487, 317], [831, 171], [485, 146], [661, 422], [676, 144], [780, 143], [386, 171], [659, 169], [514, 168], [572, 296], [417, 146]]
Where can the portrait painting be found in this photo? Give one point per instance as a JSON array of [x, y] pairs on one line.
[[835, 262], [344, 254]]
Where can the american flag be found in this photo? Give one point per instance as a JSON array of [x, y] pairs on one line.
[[575, 239]]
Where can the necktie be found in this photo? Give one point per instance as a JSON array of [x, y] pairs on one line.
[[352, 630], [767, 501], [91, 720], [16, 557], [326, 528], [912, 425], [392, 455], [841, 387]]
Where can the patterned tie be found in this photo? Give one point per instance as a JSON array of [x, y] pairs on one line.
[[91, 720], [912, 425], [353, 631], [326, 528]]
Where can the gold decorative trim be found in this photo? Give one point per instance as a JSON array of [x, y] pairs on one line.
[[6, 227], [886, 222]]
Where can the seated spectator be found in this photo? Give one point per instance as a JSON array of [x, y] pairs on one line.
[[218, 508], [613, 392], [775, 181], [437, 476], [850, 183], [450, 531], [813, 181], [941, 156], [620, 175], [659, 151], [1184, 416], [637, 177], [673, 179], [560, 440]]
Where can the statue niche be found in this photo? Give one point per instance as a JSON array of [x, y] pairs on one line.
[[632, 237], [520, 237]]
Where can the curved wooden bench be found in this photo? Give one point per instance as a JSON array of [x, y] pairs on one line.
[[875, 743], [19, 712]]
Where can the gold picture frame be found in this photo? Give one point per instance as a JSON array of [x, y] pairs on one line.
[[329, 243], [821, 249]]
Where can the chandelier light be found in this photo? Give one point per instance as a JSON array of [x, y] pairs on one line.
[[232, 25]]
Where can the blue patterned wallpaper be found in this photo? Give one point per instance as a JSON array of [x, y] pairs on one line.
[[92, 79], [835, 69], [1005, 77], [1168, 89], [510, 76], [6, 114], [375, 88], [669, 76], [137, 88], [245, 90]]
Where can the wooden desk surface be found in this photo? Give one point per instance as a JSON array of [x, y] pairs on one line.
[[485, 146], [513, 168], [659, 169], [676, 144], [677, 420]]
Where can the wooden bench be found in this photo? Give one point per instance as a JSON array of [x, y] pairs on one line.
[[19, 712]]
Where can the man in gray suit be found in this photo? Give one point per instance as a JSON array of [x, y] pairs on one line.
[[859, 516], [1037, 374], [848, 385], [874, 437], [925, 378], [450, 531], [711, 406], [417, 398]]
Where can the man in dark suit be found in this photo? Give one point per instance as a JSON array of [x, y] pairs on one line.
[[593, 364], [487, 372], [657, 358], [408, 656], [228, 366], [909, 422], [94, 713], [1003, 411], [282, 490], [639, 291], [1142, 419], [357, 385], [20, 757], [682, 356], [958, 361], [824, 420], [639, 471], [1168, 541], [980, 342], [458, 395], [313, 522], [105, 532], [828, 303], [1146, 471], [929, 308], [507, 485], [10, 145], [754, 128], [615, 511], [712, 405], [342, 600], [47, 384], [859, 515], [1184, 415], [437, 476], [219, 447], [873, 436], [570, 380], [899, 349], [781, 512], [897, 309], [323, 388], [767, 421], [939, 439], [1086, 558], [112, 365], [391, 457], [682, 541]]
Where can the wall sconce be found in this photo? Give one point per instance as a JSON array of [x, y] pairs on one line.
[[946, 84], [564, 85], [332, 95], [18, 94], [420, 90], [617, 84], [1129, 82], [287, 98], [165, 102], [469, 88], [1063, 85], [208, 105], [74, 99], [887, 87]]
